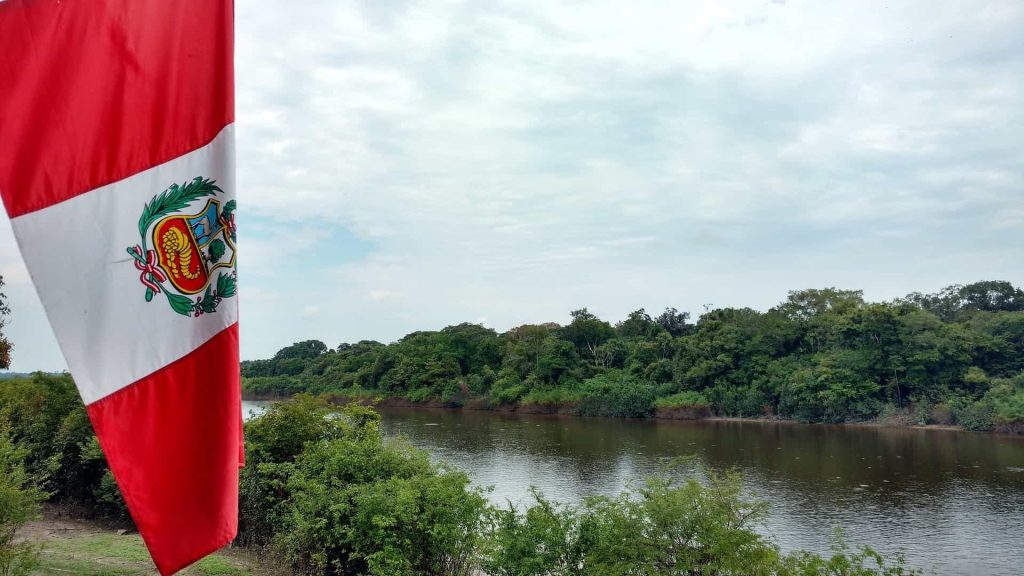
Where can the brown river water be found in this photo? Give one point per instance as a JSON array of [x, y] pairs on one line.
[[951, 502]]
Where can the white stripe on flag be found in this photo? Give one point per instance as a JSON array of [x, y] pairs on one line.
[[90, 287]]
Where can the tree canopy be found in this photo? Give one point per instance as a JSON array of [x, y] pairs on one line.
[[821, 355]]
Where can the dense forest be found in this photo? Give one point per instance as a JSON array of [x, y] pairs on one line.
[[823, 355]]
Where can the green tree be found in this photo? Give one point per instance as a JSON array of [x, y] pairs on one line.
[[19, 503], [638, 324], [675, 322], [587, 332], [806, 304], [305, 350], [5, 344], [953, 302], [820, 354], [48, 420]]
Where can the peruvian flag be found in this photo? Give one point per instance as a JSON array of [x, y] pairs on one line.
[[117, 171]]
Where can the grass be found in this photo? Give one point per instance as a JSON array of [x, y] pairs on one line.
[[112, 555]]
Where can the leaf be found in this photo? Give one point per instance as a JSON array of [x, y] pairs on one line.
[[208, 304], [180, 304], [175, 198], [229, 207], [226, 285], [134, 254]]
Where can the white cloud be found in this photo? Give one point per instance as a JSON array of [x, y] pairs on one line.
[[516, 161]]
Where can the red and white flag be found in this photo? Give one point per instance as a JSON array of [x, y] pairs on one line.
[[117, 171]]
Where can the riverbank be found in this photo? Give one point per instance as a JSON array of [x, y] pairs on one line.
[[685, 413]]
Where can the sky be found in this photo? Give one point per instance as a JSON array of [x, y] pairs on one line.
[[408, 165]]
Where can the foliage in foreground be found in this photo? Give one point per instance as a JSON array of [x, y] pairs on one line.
[[662, 528], [19, 503], [824, 355], [329, 494], [49, 423]]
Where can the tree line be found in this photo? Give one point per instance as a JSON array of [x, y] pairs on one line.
[[822, 355]]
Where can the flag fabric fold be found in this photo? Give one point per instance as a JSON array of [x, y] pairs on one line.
[[117, 171]]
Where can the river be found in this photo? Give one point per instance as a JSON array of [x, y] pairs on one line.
[[952, 502]]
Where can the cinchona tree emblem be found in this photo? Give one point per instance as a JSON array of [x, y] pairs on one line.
[[184, 254]]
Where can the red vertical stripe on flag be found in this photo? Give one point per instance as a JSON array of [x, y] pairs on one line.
[[172, 440], [93, 91]]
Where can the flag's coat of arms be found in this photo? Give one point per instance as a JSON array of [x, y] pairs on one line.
[[188, 248]]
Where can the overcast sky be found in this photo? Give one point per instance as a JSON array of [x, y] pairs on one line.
[[409, 165]]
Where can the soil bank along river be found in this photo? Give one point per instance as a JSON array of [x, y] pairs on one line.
[[952, 502]]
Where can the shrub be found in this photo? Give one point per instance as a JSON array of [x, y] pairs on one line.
[[941, 414], [325, 490], [357, 508], [685, 405], [420, 395], [507, 390], [48, 420], [844, 562], [973, 415], [828, 393], [615, 394], [922, 409], [540, 540], [552, 398], [273, 442], [1006, 397], [743, 401], [273, 385], [682, 399], [664, 527], [19, 503]]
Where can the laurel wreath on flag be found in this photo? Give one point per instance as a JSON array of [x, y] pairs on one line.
[[173, 199]]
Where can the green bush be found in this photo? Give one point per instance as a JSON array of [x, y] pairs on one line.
[[744, 401], [844, 562], [541, 540], [274, 385], [828, 393], [273, 441], [19, 503], [551, 397], [682, 399], [976, 415], [507, 389], [941, 414], [662, 528], [324, 489], [1007, 398], [48, 420], [615, 394], [420, 395]]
